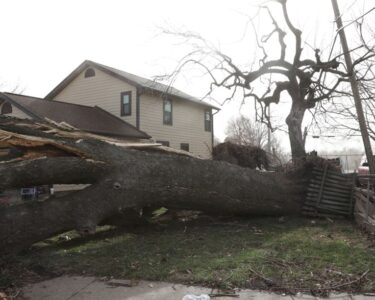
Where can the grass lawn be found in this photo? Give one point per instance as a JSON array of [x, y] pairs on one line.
[[292, 255]]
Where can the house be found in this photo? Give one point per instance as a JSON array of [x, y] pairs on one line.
[[90, 119], [168, 115], [86, 118]]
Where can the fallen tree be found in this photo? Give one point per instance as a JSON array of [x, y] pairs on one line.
[[122, 179]]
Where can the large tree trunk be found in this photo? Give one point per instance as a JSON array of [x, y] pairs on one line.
[[123, 179], [294, 122]]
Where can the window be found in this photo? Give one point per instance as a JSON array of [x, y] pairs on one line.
[[126, 103], [6, 108], [164, 143], [184, 146], [207, 120], [167, 112], [89, 73]]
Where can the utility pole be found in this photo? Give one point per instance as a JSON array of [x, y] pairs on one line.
[[355, 89]]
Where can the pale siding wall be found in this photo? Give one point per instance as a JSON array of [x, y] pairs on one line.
[[101, 90], [188, 124], [104, 91], [16, 112]]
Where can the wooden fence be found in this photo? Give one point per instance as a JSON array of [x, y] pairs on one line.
[[364, 211], [330, 194]]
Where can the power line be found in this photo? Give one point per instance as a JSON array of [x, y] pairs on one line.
[[333, 136]]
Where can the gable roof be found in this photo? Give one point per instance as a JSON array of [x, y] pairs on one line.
[[132, 79], [86, 118]]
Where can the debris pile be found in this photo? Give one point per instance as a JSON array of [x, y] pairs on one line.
[[245, 156]]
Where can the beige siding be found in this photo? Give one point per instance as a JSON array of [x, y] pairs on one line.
[[101, 90], [16, 112], [188, 124], [104, 91]]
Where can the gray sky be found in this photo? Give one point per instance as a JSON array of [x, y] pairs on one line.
[[44, 40]]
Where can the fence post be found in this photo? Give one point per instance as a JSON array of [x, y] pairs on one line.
[[322, 185], [368, 197]]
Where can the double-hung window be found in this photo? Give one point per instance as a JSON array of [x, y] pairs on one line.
[[207, 120], [167, 112], [126, 103]]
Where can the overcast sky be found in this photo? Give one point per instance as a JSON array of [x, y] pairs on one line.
[[44, 40]]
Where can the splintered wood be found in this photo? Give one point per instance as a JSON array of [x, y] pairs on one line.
[[31, 147], [14, 146]]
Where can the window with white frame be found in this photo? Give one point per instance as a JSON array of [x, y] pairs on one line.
[[207, 120], [167, 112], [126, 103]]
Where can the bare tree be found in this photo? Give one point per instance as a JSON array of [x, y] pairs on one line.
[[243, 131], [339, 116], [307, 82]]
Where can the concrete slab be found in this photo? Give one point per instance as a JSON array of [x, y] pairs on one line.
[[90, 288], [60, 288]]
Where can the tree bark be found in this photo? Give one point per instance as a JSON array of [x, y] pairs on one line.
[[296, 136], [123, 179]]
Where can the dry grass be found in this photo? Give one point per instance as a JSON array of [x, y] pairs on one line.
[[291, 255]]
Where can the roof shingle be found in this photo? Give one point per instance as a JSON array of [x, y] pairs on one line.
[[86, 118]]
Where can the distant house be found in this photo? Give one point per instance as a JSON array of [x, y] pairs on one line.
[[90, 119], [168, 115]]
